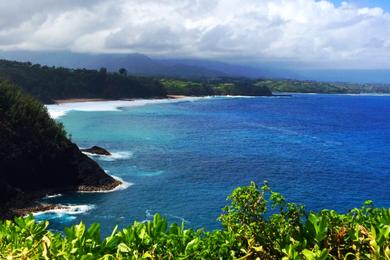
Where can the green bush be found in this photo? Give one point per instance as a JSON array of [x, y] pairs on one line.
[[249, 231]]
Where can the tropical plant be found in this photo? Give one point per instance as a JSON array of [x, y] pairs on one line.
[[257, 224]]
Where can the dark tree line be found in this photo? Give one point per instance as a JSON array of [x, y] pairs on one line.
[[50, 83]]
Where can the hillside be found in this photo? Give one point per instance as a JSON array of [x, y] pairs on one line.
[[50, 83], [36, 157], [225, 86], [264, 87], [300, 86]]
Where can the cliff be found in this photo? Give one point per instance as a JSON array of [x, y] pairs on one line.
[[36, 157]]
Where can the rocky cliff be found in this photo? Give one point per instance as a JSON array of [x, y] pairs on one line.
[[36, 157]]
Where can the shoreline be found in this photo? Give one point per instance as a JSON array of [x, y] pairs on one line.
[[63, 106], [78, 100], [81, 100], [30, 203]]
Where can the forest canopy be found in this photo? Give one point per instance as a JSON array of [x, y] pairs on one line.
[[51, 83]]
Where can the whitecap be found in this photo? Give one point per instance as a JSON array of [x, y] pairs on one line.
[[239, 96], [67, 209], [60, 217], [124, 184], [113, 157], [52, 196], [150, 173]]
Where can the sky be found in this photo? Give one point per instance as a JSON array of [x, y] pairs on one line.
[[294, 33]]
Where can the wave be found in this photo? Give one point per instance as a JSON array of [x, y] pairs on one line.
[[238, 96], [59, 110], [152, 174], [68, 209], [124, 184], [113, 157], [52, 196]]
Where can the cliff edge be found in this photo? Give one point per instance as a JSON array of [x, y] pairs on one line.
[[36, 157]]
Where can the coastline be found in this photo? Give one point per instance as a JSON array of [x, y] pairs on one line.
[[29, 203], [76, 100], [63, 106], [80, 100]]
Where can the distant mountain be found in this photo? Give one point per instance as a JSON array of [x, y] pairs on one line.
[[232, 70], [139, 64], [135, 64]]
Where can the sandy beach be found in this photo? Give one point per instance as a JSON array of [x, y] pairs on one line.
[[63, 106], [77, 100]]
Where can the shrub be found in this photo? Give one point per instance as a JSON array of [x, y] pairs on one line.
[[249, 231]]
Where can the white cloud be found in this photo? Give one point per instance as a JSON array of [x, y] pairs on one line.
[[303, 32]]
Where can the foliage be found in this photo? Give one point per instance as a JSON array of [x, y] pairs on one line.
[[261, 87], [50, 83], [301, 86], [257, 224], [28, 138], [28, 116], [35, 154], [234, 87]]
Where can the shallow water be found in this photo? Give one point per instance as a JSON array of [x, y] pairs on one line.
[[184, 158]]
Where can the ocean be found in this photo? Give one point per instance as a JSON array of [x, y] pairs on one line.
[[182, 158]]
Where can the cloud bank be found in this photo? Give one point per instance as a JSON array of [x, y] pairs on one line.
[[304, 33]]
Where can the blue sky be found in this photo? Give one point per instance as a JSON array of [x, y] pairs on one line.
[[384, 4]]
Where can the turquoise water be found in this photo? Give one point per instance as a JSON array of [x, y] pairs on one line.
[[184, 158]]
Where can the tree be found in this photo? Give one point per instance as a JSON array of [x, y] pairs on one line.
[[123, 71], [103, 70]]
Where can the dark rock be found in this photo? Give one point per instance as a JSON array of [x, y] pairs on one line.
[[96, 150]]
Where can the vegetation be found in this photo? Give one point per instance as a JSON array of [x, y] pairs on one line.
[[50, 83], [300, 86], [26, 126], [259, 87], [257, 224], [238, 86], [35, 154]]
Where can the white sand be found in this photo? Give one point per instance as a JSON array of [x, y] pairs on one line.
[[58, 110]]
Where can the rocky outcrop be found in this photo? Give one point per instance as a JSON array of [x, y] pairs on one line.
[[96, 150], [27, 179], [36, 157]]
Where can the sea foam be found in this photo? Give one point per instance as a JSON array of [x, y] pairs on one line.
[[67, 209], [123, 155], [53, 196], [58, 110]]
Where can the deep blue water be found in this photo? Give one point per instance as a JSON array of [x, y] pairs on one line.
[[326, 151]]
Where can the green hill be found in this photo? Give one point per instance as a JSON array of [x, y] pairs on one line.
[[36, 157], [50, 83]]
